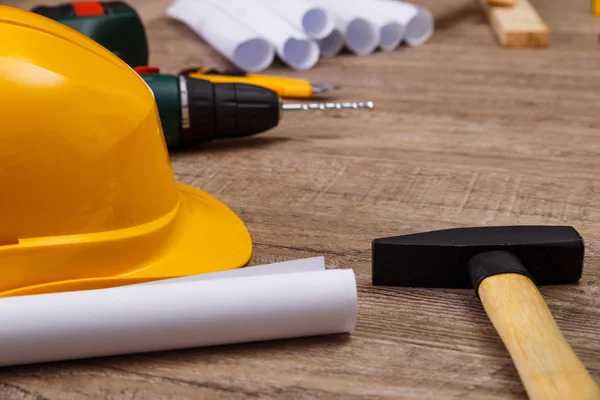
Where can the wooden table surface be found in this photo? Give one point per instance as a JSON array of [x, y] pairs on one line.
[[463, 133]]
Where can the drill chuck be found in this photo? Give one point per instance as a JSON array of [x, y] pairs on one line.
[[226, 110]]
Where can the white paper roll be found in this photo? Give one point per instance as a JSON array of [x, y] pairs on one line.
[[304, 15], [390, 31], [143, 318], [293, 46], [332, 45], [360, 35], [241, 45], [418, 21]]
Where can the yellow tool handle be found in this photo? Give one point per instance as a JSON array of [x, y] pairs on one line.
[[596, 7], [501, 3], [284, 87], [546, 363]]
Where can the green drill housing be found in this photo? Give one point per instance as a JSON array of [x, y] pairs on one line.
[[114, 25]]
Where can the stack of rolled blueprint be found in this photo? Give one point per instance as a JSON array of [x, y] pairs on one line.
[[250, 33]]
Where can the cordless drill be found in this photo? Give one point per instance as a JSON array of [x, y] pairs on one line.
[[196, 110]]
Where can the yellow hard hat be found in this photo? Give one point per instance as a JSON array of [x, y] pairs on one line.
[[87, 194]]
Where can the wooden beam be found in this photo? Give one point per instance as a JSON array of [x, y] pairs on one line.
[[517, 26]]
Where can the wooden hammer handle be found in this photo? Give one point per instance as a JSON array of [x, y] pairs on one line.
[[546, 363]]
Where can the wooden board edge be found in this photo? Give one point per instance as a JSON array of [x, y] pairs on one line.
[[537, 34]]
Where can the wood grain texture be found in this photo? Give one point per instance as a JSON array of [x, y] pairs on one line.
[[465, 132], [517, 24], [547, 365]]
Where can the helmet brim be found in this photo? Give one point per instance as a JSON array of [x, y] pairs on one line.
[[207, 236]]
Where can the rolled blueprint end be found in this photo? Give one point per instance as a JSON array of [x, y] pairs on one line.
[[420, 28], [254, 55], [391, 35], [317, 23], [300, 54], [362, 37], [332, 45], [351, 307]]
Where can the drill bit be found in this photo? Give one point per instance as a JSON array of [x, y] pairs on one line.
[[328, 106]]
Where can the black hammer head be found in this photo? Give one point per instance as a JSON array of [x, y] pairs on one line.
[[552, 254]]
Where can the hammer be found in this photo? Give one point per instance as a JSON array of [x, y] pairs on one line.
[[503, 264]]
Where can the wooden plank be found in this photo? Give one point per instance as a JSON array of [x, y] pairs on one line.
[[517, 26]]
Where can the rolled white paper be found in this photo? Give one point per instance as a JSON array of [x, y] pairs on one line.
[[241, 45], [418, 21], [305, 15], [143, 318], [391, 31], [332, 45], [293, 46], [361, 36]]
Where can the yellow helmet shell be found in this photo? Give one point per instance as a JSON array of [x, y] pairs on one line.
[[87, 194]]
